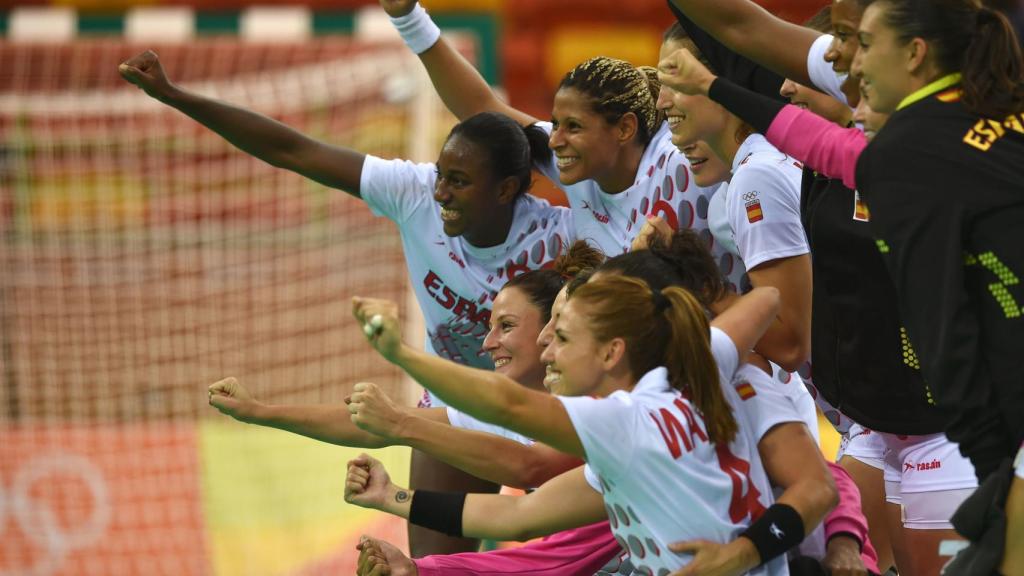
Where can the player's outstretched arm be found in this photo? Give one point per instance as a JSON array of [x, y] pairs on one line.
[[748, 317], [483, 394], [564, 502], [460, 86], [326, 423], [753, 32], [497, 459], [253, 133], [819, 143]]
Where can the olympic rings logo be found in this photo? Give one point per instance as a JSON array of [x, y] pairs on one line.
[[39, 523]]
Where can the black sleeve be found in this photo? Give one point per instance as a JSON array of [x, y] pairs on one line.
[[728, 64], [753, 108]]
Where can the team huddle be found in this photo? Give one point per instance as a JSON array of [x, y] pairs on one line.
[[774, 219]]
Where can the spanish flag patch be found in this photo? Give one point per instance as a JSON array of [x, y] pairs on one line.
[[754, 213], [745, 390], [860, 209]]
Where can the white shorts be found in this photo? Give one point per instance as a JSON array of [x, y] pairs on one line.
[[928, 463], [925, 475], [864, 445]]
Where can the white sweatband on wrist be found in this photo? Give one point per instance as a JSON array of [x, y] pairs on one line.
[[417, 29]]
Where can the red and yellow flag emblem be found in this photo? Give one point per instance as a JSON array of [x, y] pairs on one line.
[[754, 213], [860, 209], [745, 390]]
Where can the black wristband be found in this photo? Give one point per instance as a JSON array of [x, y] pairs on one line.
[[776, 531], [441, 511], [755, 109]]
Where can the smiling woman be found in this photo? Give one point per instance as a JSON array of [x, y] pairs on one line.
[[467, 225], [614, 157]]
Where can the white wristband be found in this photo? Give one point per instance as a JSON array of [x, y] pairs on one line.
[[417, 29]]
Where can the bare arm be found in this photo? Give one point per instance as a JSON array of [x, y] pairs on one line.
[[564, 502], [460, 86], [483, 394], [330, 424], [747, 318], [787, 341], [793, 462], [327, 423], [487, 456], [494, 398], [753, 32], [253, 133]]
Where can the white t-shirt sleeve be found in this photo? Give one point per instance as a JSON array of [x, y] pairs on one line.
[[764, 213], [466, 422], [764, 402], [550, 168], [396, 188], [591, 477], [606, 427], [727, 357], [821, 73]]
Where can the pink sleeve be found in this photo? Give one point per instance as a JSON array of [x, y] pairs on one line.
[[580, 551], [848, 517], [821, 145]]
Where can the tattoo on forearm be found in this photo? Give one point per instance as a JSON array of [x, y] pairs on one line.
[[401, 496]]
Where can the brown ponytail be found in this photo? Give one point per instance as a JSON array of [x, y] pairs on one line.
[[666, 329], [968, 38], [692, 366], [993, 81]]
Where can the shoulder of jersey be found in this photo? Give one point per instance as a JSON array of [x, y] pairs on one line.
[[542, 207]]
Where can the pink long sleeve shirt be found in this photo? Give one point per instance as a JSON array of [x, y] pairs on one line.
[[821, 145]]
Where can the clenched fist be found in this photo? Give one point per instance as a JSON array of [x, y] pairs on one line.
[[144, 70]]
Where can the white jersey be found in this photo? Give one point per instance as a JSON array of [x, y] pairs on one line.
[[793, 386], [663, 186], [662, 481], [462, 420], [455, 281], [820, 71], [758, 219]]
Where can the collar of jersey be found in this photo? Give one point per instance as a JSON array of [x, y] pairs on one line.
[[937, 86], [753, 143], [656, 379], [521, 217]]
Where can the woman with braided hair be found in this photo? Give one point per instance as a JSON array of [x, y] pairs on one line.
[[614, 158]]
